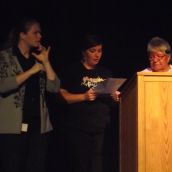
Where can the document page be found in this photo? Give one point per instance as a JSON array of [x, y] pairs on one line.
[[109, 85]]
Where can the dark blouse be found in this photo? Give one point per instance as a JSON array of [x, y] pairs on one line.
[[31, 106]]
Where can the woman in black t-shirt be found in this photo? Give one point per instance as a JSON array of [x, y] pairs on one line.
[[86, 113]]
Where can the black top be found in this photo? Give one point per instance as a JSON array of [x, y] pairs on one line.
[[31, 106], [86, 115]]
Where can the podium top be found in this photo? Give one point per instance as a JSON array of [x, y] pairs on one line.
[[154, 73], [149, 76]]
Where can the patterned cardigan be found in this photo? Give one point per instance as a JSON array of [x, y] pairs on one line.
[[12, 95]]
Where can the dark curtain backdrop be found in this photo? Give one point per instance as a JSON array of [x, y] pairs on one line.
[[126, 27]]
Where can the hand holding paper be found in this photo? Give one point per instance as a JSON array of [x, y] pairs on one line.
[[116, 96], [90, 95]]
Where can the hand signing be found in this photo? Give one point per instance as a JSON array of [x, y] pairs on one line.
[[43, 56]]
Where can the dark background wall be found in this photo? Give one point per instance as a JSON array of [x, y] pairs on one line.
[[125, 26]]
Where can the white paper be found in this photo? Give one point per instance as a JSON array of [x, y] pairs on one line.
[[109, 85]]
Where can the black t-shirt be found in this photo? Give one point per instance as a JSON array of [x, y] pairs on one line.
[[86, 115]]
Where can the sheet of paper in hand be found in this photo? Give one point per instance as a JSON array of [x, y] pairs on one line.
[[109, 85]]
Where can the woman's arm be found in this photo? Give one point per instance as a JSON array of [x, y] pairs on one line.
[[74, 98], [8, 83]]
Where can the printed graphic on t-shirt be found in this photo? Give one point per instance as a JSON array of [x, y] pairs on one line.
[[91, 82]]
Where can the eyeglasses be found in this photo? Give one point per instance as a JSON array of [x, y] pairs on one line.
[[157, 55]]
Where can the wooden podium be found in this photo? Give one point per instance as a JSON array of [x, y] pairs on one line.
[[146, 123]]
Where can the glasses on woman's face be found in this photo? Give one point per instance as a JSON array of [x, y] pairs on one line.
[[157, 56]]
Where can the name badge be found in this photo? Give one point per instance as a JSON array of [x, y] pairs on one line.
[[24, 127]]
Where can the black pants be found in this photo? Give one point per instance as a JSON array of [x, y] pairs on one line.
[[24, 152], [80, 151]]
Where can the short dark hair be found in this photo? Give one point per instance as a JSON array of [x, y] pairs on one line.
[[91, 40]]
